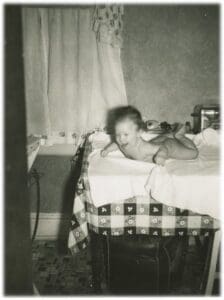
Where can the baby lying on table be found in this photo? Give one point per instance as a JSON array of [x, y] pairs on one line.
[[127, 130]]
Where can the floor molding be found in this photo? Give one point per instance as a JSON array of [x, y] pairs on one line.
[[51, 226]]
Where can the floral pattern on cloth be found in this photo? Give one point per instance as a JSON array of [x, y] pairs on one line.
[[108, 24]]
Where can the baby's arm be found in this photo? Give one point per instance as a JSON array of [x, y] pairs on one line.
[[109, 148], [161, 156]]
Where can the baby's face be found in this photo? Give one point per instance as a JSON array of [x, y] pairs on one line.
[[126, 132]]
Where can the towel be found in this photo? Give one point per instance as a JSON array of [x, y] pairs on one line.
[[115, 178], [208, 137], [191, 184]]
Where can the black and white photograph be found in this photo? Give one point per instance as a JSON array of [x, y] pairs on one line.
[[112, 149]]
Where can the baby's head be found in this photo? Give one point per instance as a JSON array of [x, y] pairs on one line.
[[127, 125]]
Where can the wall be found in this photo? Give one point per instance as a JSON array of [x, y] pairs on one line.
[[171, 59]]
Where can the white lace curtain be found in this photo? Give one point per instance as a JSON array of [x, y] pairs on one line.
[[73, 75]]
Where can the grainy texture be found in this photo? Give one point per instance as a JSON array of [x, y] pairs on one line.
[[56, 272], [170, 59]]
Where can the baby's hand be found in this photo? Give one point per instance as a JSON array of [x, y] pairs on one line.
[[103, 153]]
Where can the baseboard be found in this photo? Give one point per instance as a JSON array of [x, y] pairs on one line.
[[51, 226]]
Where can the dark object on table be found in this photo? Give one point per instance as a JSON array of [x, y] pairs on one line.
[[205, 116], [166, 127], [162, 128], [188, 127]]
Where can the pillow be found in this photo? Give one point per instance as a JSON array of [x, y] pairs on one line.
[[208, 136]]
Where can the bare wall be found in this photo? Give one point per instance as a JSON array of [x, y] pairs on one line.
[[171, 59]]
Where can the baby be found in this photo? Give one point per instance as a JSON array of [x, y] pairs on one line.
[[127, 129]]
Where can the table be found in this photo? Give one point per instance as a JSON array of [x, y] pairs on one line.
[[136, 218]]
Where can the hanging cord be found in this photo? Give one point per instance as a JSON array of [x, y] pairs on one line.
[[36, 176]]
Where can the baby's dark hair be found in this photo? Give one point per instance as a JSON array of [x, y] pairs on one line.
[[121, 113]]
